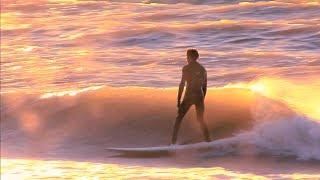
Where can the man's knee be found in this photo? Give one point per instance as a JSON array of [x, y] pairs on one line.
[[178, 118], [182, 109], [200, 111], [180, 115]]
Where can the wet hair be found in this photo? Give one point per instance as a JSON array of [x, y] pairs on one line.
[[193, 54]]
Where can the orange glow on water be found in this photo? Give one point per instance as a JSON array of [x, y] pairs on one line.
[[302, 96], [33, 169], [30, 122], [60, 39], [11, 21]]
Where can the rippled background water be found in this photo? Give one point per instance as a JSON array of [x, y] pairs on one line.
[[49, 45]]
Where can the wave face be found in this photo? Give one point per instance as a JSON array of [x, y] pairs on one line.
[[89, 122], [112, 117]]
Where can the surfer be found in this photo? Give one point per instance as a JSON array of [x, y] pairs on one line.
[[196, 77]]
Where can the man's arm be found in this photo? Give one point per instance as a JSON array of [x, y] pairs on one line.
[[181, 88], [204, 86]]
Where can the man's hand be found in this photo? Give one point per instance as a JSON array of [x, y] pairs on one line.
[[178, 104]]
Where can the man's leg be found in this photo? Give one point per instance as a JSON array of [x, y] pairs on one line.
[[203, 125], [183, 109]]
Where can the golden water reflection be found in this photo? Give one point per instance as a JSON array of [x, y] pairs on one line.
[[36, 169], [301, 96]]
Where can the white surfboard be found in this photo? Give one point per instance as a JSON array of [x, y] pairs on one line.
[[215, 148], [159, 149]]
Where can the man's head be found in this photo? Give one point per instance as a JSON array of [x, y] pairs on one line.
[[192, 55]]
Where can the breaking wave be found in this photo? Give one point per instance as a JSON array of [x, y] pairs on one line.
[[276, 133], [241, 121]]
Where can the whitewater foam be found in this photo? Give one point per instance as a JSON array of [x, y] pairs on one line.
[[298, 137]]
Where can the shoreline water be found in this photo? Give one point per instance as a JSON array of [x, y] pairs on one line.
[[226, 167]]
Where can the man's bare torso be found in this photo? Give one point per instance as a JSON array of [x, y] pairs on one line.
[[195, 75]]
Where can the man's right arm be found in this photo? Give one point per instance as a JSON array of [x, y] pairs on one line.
[[181, 88]]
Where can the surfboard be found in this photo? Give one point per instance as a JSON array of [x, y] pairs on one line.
[[162, 149]]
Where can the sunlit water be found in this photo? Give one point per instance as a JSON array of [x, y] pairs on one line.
[[62, 48], [34, 169], [51, 45]]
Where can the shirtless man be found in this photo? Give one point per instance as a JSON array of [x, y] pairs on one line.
[[196, 77]]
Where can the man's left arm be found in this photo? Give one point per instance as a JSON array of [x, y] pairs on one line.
[[204, 86]]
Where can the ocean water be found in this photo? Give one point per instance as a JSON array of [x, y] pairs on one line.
[[78, 77], [69, 44]]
